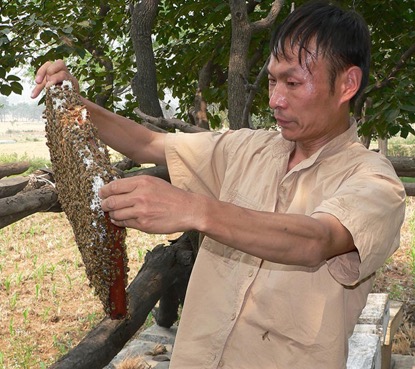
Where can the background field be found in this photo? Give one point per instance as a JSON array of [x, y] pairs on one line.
[[29, 137], [46, 306]]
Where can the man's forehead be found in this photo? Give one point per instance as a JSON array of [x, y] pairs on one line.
[[306, 53], [289, 66], [291, 57]]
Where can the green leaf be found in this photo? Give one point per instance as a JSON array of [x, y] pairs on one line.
[[67, 29], [410, 108], [391, 115], [5, 90], [12, 77], [16, 87], [47, 36]]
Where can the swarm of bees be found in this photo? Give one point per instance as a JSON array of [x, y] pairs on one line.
[[81, 166]]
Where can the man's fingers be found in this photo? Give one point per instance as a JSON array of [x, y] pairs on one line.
[[119, 186], [122, 215], [116, 202], [41, 72], [121, 224], [40, 79], [50, 74], [49, 69]]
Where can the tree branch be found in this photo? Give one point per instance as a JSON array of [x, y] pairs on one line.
[[23, 204], [396, 69], [252, 91], [169, 123], [269, 20]]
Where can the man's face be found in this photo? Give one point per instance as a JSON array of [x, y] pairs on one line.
[[306, 109]]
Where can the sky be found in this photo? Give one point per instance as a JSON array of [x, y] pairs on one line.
[[28, 85], [25, 96]]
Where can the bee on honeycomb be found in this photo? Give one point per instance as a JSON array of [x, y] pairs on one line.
[[81, 166]]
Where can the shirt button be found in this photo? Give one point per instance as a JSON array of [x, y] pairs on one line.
[[221, 364], [250, 273], [233, 316]]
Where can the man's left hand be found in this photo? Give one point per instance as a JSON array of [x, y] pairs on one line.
[[149, 204]]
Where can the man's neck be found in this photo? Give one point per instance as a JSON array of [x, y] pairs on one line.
[[304, 150]]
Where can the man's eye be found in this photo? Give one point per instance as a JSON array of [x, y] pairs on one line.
[[292, 83]]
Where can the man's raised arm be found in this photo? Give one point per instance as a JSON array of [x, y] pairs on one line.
[[123, 135]]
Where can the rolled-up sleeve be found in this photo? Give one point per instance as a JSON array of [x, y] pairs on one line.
[[372, 208], [197, 161]]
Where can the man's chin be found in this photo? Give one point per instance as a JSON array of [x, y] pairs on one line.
[[287, 134]]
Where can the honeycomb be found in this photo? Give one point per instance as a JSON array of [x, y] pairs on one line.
[[81, 166]]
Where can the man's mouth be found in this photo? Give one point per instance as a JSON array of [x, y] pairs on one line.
[[282, 122]]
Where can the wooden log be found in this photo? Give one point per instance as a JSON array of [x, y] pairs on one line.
[[409, 189], [22, 204], [159, 171], [11, 186], [161, 268], [17, 207], [404, 166], [13, 168], [167, 312]]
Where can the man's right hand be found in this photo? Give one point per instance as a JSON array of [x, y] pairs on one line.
[[52, 73]]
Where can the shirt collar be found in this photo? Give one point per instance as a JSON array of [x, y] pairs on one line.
[[337, 144]]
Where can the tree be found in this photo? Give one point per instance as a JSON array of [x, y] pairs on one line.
[[389, 100], [206, 53]]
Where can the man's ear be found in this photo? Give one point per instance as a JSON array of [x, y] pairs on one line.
[[351, 80]]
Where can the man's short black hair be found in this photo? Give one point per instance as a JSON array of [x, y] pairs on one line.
[[341, 36]]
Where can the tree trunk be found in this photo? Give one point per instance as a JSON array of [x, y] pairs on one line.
[[238, 64], [383, 146], [144, 84], [163, 266]]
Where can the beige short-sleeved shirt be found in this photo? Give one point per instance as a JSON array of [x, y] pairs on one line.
[[245, 313]]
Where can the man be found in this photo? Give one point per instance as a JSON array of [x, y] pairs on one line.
[[295, 223]]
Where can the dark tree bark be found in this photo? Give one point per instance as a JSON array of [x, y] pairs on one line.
[[163, 266], [410, 189], [198, 114], [167, 313], [14, 168], [11, 186], [24, 204], [144, 84], [238, 76], [167, 124], [404, 165], [238, 63]]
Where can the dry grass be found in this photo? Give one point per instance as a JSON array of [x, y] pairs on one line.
[[46, 305]]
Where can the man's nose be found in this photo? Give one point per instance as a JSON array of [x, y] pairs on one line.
[[277, 98]]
